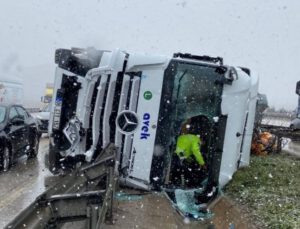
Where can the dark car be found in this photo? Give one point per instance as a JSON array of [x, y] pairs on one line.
[[19, 135]]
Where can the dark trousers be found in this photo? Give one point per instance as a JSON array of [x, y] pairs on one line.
[[186, 173]]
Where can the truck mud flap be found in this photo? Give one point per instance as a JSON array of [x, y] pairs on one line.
[[84, 195]]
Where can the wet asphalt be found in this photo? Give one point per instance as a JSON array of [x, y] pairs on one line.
[[23, 183]]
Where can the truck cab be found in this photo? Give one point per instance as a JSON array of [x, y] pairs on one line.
[[140, 102]]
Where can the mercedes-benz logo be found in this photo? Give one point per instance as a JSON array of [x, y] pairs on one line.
[[127, 122]]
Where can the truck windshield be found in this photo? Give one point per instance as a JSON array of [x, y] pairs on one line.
[[2, 113], [196, 90], [190, 90]]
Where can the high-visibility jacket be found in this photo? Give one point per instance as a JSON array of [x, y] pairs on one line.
[[188, 145]]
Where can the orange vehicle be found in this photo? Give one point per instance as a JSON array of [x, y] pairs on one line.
[[263, 143]]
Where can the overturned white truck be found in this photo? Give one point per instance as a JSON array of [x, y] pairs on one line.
[[139, 102]]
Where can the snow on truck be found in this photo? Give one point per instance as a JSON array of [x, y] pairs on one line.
[[139, 103]]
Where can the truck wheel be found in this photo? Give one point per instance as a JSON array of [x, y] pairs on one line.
[[5, 159]]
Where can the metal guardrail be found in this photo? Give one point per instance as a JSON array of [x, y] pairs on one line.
[[79, 196]]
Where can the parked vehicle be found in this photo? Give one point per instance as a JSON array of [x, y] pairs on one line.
[[19, 135], [43, 118]]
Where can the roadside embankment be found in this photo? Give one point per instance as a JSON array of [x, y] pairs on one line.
[[270, 191]]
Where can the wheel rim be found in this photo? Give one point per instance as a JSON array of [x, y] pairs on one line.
[[6, 159]]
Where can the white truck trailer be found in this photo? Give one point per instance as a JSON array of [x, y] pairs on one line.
[[11, 90], [139, 102]]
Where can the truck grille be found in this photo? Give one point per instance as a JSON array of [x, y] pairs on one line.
[[112, 94], [131, 105], [121, 93]]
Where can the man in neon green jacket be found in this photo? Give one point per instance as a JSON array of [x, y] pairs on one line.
[[188, 145], [187, 162]]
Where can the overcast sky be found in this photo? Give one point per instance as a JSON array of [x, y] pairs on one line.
[[262, 35]]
